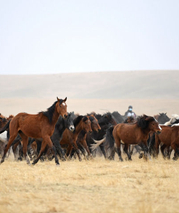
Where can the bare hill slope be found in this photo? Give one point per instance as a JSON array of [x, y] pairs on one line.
[[96, 85]]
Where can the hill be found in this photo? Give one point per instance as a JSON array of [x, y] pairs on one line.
[[97, 85], [150, 92]]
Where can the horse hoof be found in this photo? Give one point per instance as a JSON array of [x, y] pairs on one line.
[[141, 156], [57, 164]]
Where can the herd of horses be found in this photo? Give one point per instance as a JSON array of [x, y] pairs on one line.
[[58, 134]]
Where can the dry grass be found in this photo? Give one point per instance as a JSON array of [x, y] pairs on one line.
[[97, 185]]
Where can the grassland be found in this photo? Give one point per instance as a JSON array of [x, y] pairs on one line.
[[95, 185]]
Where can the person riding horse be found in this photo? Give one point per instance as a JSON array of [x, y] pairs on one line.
[[130, 113]]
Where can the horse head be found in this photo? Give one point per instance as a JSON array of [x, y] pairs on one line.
[[148, 122], [86, 124], [153, 124], [94, 123], [61, 107], [69, 121]]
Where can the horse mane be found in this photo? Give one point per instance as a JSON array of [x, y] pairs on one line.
[[49, 112], [77, 120], [91, 118], [143, 123]]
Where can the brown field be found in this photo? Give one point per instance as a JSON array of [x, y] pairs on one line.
[[96, 185]]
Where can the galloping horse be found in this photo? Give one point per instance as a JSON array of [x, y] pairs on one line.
[[63, 123], [135, 133], [39, 125], [130, 133]]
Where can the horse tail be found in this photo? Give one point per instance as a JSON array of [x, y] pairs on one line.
[[109, 137], [5, 127], [97, 143], [151, 144]]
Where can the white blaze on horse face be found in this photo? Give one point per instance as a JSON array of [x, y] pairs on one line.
[[64, 104], [158, 124]]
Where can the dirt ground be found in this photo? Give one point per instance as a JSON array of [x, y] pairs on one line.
[[95, 185]]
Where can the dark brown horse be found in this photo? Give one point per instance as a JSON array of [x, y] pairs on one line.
[[39, 125], [69, 138], [135, 133]]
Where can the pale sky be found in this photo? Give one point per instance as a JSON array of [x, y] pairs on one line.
[[60, 36]]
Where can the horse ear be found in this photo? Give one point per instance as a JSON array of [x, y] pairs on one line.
[[58, 99], [65, 99], [146, 117]]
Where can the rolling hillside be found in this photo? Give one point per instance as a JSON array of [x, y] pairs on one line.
[[94, 85]]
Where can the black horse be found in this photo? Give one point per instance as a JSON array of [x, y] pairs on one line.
[[118, 117], [105, 121], [162, 118]]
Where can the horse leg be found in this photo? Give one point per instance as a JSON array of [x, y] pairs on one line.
[[46, 141], [157, 143], [77, 151], [126, 146], [59, 150], [118, 145], [146, 150], [43, 146], [102, 149], [162, 150], [11, 139], [14, 149], [69, 150], [84, 144], [20, 152], [25, 143], [176, 152]]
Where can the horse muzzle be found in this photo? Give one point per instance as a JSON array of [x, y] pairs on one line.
[[158, 132]]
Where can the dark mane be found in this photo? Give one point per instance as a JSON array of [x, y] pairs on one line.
[[91, 118], [142, 122], [49, 112], [77, 120]]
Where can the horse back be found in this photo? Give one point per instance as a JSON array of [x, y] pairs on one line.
[[165, 135], [128, 133], [31, 125]]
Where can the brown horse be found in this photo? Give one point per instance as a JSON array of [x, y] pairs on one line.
[[134, 133], [39, 125], [81, 141], [69, 138], [169, 138]]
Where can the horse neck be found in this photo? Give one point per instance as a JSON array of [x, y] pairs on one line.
[[78, 128], [60, 125], [55, 117], [145, 131]]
